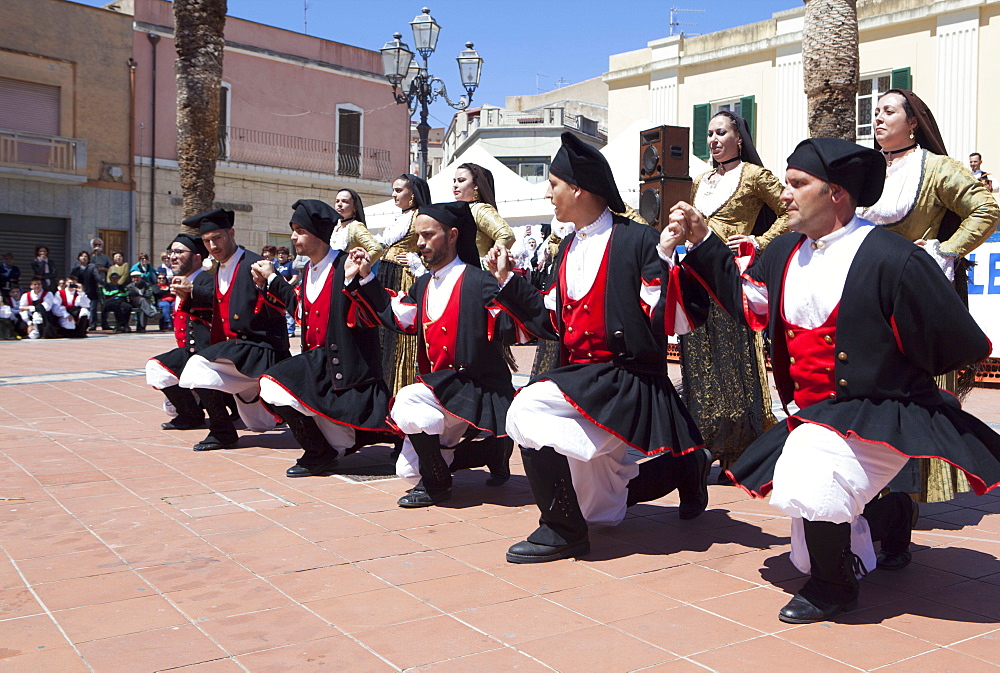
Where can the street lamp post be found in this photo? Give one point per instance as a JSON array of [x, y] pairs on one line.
[[414, 85]]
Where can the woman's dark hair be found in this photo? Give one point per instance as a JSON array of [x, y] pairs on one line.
[[117, 252], [482, 178], [38, 249], [421, 191], [748, 152], [359, 207], [83, 252], [269, 248], [280, 250]]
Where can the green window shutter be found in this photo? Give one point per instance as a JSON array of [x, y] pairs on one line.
[[748, 110], [699, 130], [901, 79]]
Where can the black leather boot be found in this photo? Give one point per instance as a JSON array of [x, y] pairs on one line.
[[435, 477], [319, 458], [660, 475], [562, 530], [891, 519], [833, 585], [189, 414], [221, 432]]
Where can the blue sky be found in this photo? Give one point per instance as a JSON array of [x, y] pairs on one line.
[[526, 44]]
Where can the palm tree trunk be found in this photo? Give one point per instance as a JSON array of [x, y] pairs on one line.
[[830, 67], [199, 27]]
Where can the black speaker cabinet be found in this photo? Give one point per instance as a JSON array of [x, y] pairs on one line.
[[663, 152], [657, 197]]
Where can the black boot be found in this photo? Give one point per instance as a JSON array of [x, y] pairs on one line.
[[833, 585], [562, 530], [189, 414], [891, 519], [490, 452], [499, 464], [435, 477], [662, 474], [221, 432], [319, 458]]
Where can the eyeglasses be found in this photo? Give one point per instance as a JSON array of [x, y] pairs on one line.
[[178, 251]]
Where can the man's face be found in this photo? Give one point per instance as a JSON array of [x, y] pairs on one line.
[[98, 245], [563, 197], [161, 279], [305, 243], [183, 262], [435, 242], [809, 203], [221, 243], [8, 260], [975, 161], [36, 286]]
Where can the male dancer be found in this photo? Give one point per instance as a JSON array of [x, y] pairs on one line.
[[44, 314], [331, 395], [464, 386], [576, 423], [247, 333], [861, 321], [192, 327], [77, 306]]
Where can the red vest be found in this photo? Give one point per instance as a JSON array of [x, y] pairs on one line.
[[316, 317], [220, 316], [441, 335], [65, 299], [811, 360], [583, 334]]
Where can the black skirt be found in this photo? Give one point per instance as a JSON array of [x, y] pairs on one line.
[[174, 361], [483, 407], [251, 358], [642, 410], [941, 431], [306, 378]]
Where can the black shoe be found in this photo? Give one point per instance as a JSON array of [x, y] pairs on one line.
[[184, 423], [694, 491], [531, 552], [899, 560], [800, 610], [324, 470], [421, 497], [213, 443]]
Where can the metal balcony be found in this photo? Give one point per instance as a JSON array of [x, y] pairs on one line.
[[37, 152], [264, 148]]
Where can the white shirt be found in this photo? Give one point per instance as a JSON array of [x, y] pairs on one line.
[[224, 274], [316, 276]]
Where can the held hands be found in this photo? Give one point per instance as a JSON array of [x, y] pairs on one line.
[[499, 263], [683, 223], [181, 286], [735, 240], [261, 270], [357, 263]]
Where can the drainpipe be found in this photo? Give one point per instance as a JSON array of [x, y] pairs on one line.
[[153, 39], [131, 152]]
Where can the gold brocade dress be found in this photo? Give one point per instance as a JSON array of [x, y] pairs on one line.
[[491, 228], [724, 379], [355, 234], [399, 351], [920, 190]]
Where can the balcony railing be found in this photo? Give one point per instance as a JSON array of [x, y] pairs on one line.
[[263, 148], [41, 152], [555, 116]]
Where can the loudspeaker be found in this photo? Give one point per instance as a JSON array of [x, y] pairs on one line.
[[657, 197], [663, 152]]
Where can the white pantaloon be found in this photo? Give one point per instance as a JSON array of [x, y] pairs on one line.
[[340, 437], [222, 375], [416, 410], [540, 415], [821, 476]]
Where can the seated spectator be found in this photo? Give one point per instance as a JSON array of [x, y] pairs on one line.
[[144, 268], [115, 301], [269, 252], [44, 314], [77, 305], [164, 266], [42, 267], [10, 276], [8, 331], [164, 300], [119, 267], [20, 326], [140, 296]]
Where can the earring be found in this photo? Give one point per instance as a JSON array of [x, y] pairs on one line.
[[911, 135], [475, 193]]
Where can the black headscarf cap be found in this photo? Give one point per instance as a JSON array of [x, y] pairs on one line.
[[421, 190], [316, 217], [579, 164], [457, 215], [859, 170]]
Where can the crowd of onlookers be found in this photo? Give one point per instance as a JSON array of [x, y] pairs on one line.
[[99, 287]]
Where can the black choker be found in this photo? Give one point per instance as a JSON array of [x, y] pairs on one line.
[[729, 161], [888, 154]]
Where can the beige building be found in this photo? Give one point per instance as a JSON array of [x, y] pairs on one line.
[[946, 51], [64, 129]]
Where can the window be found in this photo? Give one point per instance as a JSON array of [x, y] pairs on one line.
[[534, 172], [870, 89], [224, 95], [31, 108], [349, 140]]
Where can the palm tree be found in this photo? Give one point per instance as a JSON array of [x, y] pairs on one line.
[[199, 27], [830, 67]]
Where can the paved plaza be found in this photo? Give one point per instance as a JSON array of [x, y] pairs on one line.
[[125, 551]]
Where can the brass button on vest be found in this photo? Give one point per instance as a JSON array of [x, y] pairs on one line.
[[842, 356]]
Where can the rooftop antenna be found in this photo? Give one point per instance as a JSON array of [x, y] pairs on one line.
[[538, 88], [674, 22], [561, 82], [305, 17]]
